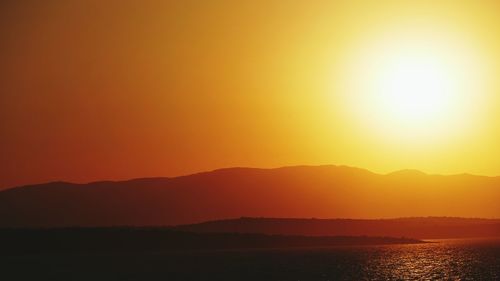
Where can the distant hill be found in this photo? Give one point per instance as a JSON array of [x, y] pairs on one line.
[[302, 191], [422, 228]]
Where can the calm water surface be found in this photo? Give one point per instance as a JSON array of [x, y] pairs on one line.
[[443, 260]]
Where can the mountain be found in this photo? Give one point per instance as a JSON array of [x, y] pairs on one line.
[[301, 191], [422, 228]]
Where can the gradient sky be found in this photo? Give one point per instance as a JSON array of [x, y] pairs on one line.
[[93, 90]]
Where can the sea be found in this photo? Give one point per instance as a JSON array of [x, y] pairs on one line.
[[466, 259]]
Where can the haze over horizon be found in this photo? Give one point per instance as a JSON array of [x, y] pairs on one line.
[[93, 90]]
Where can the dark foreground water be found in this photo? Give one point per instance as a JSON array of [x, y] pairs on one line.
[[443, 260]]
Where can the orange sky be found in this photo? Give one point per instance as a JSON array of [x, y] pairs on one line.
[[93, 90]]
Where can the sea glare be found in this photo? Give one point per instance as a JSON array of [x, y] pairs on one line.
[[476, 259]]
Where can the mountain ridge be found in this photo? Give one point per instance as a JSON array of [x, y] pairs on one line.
[[296, 191], [395, 172]]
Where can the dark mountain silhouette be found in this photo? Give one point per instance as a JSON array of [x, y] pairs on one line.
[[422, 228], [302, 191]]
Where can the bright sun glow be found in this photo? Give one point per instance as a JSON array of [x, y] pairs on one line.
[[415, 89]]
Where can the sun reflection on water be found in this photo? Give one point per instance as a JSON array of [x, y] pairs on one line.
[[450, 260]]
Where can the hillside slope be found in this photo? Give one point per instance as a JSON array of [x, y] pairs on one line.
[[302, 191]]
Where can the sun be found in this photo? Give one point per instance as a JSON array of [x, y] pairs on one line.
[[414, 89]]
